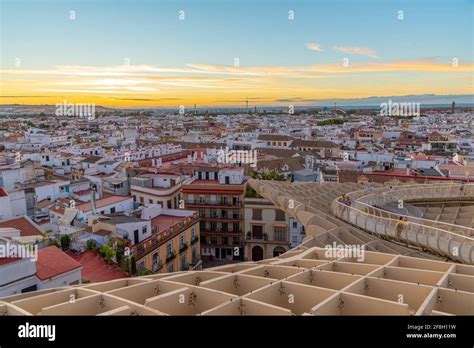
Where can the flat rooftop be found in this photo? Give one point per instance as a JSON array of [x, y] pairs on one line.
[[163, 222]]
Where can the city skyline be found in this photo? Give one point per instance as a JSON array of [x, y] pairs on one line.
[[224, 53]]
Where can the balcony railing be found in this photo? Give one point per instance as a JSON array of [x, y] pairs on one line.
[[170, 256], [224, 217], [183, 247], [160, 238], [218, 230], [216, 203], [441, 238], [157, 266], [195, 260]]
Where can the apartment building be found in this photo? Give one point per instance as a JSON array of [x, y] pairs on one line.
[[161, 188], [217, 194], [174, 241], [267, 229]]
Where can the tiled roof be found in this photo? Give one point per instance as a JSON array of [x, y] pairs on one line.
[[314, 143], [293, 163], [274, 137], [52, 262], [24, 225]]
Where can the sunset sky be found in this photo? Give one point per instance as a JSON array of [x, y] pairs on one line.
[[140, 53]]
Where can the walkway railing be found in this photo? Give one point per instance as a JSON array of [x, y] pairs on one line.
[[371, 202], [438, 239]]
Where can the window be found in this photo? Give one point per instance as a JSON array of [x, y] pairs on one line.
[[213, 213], [112, 210], [141, 266], [223, 200], [184, 264], [150, 201], [235, 214], [170, 268], [295, 224], [279, 215], [144, 229], [169, 248], [294, 239], [201, 199], [141, 199], [236, 240], [225, 240], [256, 214], [169, 204], [181, 239], [213, 199], [213, 226], [257, 231], [202, 212], [213, 240], [235, 227], [193, 232], [225, 227], [155, 258], [224, 214], [280, 234], [191, 198]]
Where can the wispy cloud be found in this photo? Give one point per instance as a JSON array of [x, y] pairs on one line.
[[199, 82], [313, 47], [364, 51], [138, 74]]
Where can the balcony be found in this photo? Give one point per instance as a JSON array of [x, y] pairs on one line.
[[183, 247], [216, 203], [170, 256], [157, 266], [221, 217], [218, 230], [195, 239], [158, 239]]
